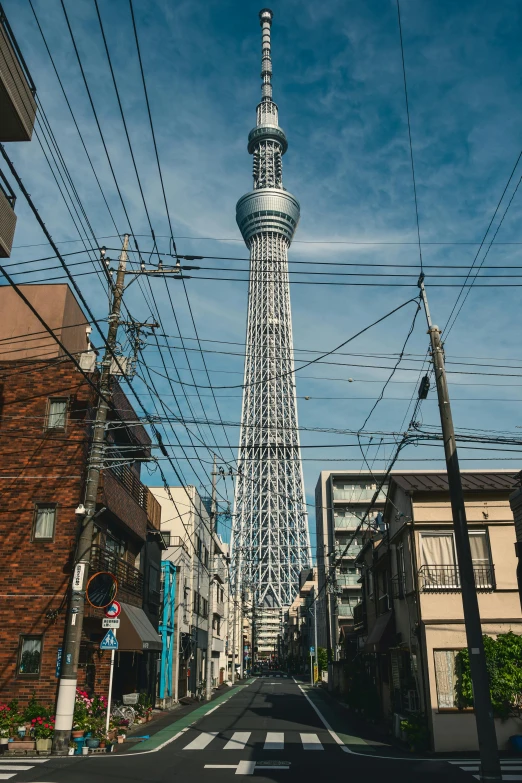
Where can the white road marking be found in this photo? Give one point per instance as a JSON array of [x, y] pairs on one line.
[[238, 741], [201, 741], [24, 760], [275, 740], [6, 777], [246, 768], [11, 767], [311, 742]]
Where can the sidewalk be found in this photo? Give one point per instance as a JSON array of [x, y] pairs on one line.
[[168, 723], [363, 738]]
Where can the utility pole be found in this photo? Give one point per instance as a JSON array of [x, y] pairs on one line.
[[487, 739], [241, 639], [315, 633], [213, 530], [74, 618]]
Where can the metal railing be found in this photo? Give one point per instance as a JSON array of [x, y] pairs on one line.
[[446, 578], [348, 580], [129, 578], [178, 541], [345, 610], [141, 494], [357, 495]]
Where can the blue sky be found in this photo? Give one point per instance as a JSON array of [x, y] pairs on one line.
[[339, 86]]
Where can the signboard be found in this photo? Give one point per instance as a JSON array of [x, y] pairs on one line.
[[111, 622], [113, 610], [58, 661], [79, 571], [109, 641], [312, 650]]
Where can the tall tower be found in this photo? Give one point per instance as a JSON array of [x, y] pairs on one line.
[[270, 529]]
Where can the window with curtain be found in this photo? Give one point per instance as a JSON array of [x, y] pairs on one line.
[[438, 561], [44, 522], [445, 678], [56, 413], [30, 654]]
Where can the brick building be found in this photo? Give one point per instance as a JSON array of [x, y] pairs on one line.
[[46, 412]]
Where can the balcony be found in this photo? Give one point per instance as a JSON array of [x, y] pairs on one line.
[[7, 217], [130, 500], [446, 578], [345, 610], [357, 495], [346, 521], [178, 542], [219, 608], [129, 578], [17, 90], [359, 618], [348, 580]]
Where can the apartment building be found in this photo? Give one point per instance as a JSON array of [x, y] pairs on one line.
[[299, 624], [341, 501], [186, 527], [410, 624], [46, 412]]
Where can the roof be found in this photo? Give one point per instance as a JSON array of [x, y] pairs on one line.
[[500, 481]]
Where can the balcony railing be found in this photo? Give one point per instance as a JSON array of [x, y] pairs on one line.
[[348, 580], [446, 578], [345, 610], [357, 495], [129, 578], [141, 494], [7, 217], [347, 522], [17, 102], [178, 541]]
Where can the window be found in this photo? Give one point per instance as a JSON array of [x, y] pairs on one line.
[[44, 521], [204, 607], [30, 654], [401, 570], [198, 546], [56, 413], [153, 578], [445, 678], [439, 560]]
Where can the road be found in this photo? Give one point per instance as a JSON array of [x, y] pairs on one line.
[[268, 729]]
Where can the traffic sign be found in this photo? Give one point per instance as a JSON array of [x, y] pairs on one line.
[[113, 610], [111, 622], [312, 650], [109, 641]]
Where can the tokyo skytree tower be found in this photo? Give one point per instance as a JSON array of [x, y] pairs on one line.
[[270, 529]]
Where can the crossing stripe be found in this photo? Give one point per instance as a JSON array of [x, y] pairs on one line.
[[238, 741], [7, 776], [11, 767], [201, 741], [275, 740], [311, 742]]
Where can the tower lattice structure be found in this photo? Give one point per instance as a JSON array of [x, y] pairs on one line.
[[270, 530]]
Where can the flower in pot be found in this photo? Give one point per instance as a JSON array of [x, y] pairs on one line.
[[43, 732], [72, 748]]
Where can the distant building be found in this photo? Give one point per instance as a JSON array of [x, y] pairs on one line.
[[186, 527], [299, 624], [341, 500]]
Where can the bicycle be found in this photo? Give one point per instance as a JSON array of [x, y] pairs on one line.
[[125, 712]]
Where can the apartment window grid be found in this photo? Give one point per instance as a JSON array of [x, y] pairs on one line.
[[44, 521]]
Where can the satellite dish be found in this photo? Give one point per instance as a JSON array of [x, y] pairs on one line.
[[101, 590]]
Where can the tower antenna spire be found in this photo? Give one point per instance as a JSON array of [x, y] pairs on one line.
[[265, 18]]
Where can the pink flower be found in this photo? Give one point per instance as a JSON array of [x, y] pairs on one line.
[[33, 720]]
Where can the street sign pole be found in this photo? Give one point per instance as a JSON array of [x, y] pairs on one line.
[[109, 697]]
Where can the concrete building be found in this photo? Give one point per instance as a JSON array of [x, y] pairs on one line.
[[186, 526], [46, 411], [299, 624], [341, 500], [409, 623]]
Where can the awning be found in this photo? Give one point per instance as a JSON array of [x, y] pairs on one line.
[[136, 632], [378, 633]]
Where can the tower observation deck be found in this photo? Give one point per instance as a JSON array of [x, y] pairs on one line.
[[270, 539]]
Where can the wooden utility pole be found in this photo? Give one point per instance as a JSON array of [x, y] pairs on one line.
[[487, 738]]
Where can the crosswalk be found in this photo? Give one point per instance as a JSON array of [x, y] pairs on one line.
[[511, 768], [10, 767], [269, 741]]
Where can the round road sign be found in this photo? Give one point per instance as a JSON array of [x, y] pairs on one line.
[[113, 610]]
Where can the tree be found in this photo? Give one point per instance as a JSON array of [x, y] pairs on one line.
[[322, 659], [504, 663]]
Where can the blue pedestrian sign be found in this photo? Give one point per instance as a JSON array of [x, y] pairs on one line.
[[109, 641], [312, 650]]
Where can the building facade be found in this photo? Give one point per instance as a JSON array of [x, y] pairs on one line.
[[410, 624], [46, 412], [186, 528], [341, 500], [270, 542]]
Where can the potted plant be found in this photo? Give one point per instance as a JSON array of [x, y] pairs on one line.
[[43, 731], [72, 748]]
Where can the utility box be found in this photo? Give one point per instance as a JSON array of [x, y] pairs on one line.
[[7, 218], [17, 91]]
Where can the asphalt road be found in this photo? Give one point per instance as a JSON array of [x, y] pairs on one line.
[[268, 729]]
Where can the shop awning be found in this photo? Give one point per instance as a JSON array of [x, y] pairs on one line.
[[379, 632], [136, 632]]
